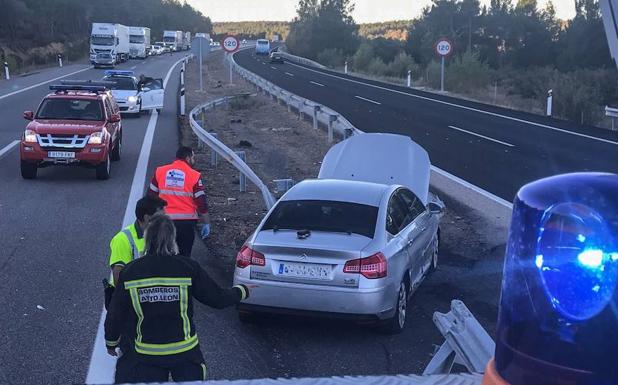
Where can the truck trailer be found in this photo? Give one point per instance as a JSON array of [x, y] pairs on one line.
[[139, 38], [109, 44]]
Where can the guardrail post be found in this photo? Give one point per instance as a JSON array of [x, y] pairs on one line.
[[182, 75], [345, 68], [316, 109], [242, 178], [550, 100], [7, 74], [331, 122], [289, 102], [182, 101], [214, 157]]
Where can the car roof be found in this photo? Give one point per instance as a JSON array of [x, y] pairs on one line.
[[75, 95], [338, 190]]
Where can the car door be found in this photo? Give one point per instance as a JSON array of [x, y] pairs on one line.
[[416, 233], [395, 250], [153, 94], [112, 128]]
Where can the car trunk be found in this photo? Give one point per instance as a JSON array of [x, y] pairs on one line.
[[318, 259]]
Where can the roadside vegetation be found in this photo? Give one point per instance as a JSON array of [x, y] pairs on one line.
[[508, 53], [252, 30], [34, 32]]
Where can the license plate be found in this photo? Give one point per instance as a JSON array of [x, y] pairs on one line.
[[305, 270], [61, 154]]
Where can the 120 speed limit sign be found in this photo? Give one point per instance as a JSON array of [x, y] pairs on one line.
[[444, 47], [230, 44]]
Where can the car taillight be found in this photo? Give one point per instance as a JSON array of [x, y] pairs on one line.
[[247, 257], [372, 267]]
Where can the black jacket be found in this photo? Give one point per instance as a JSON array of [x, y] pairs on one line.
[[155, 294]]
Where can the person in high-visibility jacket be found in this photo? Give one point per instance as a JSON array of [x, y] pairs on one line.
[[155, 295], [181, 187]]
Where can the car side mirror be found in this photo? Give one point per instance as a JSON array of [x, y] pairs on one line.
[[435, 208], [28, 115], [115, 118]]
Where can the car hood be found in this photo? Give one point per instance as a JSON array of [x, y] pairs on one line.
[[387, 159], [65, 127], [123, 94]]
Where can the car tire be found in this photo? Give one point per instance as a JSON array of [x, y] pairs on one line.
[[117, 151], [397, 323], [28, 170], [103, 169]]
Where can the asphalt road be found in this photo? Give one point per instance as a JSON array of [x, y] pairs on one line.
[[496, 149]]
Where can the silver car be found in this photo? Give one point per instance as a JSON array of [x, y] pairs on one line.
[[354, 243]]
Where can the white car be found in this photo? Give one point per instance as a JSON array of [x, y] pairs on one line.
[[132, 97], [354, 243]]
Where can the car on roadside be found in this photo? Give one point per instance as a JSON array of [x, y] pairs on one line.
[[75, 125], [354, 243], [132, 97], [276, 57]]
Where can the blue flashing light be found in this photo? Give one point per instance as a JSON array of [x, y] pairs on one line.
[[69, 87], [558, 316], [119, 73]]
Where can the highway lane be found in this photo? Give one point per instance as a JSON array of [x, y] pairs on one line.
[[54, 237], [496, 153]]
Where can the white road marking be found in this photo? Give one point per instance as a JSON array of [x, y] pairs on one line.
[[316, 83], [368, 100], [103, 366], [289, 74], [275, 68], [134, 67], [42, 83], [8, 148], [482, 136], [463, 107]]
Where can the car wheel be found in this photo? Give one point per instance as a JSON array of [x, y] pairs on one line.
[[117, 151], [396, 324], [103, 170], [28, 170], [435, 252]]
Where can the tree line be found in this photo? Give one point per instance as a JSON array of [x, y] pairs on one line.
[[252, 30], [27, 27]]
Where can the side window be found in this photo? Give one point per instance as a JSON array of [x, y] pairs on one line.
[[395, 215], [413, 205]]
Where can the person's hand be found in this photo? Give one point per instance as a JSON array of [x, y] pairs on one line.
[[205, 231], [112, 351]]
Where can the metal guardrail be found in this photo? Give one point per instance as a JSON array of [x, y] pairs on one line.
[[321, 114], [612, 113], [224, 151], [301, 60]]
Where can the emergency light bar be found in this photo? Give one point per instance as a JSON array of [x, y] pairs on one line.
[[119, 73], [94, 87]]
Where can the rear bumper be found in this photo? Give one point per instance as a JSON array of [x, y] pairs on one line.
[[91, 155], [335, 302]]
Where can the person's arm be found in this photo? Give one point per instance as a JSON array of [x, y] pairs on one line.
[[199, 197], [208, 292], [153, 189], [116, 317]]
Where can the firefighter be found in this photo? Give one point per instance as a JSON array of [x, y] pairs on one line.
[[155, 295], [181, 187]]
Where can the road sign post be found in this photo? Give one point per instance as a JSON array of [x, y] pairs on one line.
[[200, 47], [230, 45], [444, 48]]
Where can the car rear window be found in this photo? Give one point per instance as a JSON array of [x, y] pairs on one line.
[[321, 215], [70, 109], [121, 83], [262, 42]]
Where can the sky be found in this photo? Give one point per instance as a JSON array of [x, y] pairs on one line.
[[366, 10]]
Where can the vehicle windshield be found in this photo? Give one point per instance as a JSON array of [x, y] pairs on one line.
[[70, 109], [102, 40], [121, 83], [169, 39], [322, 215], [262, 42], [137, 39]]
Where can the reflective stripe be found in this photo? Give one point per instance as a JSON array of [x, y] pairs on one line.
[[154, 188], [199, 194], [157, 281], [184, 305], [140, 315], [175, 193], [134, 250], [166, 349], [176, 217], [243, 292], [203, 370], [112, 343]]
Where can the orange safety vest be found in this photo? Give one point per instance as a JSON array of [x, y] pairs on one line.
[[176, 181]]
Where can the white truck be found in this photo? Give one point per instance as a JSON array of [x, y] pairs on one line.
[[109, 44], [186, 40], [139, 38], [172, 39]]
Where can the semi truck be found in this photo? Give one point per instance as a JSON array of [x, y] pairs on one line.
[[172, 39], [139, 38], [109, 44], [186, 41]]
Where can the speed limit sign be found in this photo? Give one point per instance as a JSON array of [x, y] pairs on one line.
[[230, 44], [444, 47]]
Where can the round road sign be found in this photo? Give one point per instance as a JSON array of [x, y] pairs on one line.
[[444, 47], [230, 44]]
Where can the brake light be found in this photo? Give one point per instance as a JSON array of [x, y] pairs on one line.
[[372, 267], [247, 257]]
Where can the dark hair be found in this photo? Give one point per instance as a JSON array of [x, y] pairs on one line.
[[184, 152], [148, 206]]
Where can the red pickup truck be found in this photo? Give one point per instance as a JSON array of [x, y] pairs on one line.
[[75, 125]]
